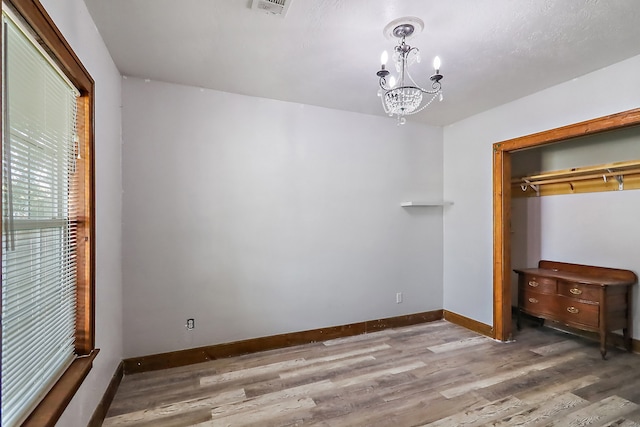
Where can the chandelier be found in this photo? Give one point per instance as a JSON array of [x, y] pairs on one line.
[[402, 96]]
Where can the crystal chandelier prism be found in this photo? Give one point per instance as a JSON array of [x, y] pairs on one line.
[[402, 96]]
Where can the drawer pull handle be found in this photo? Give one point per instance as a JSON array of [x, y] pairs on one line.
[[575, 291], [533, 300], [573, 310], [533, 284]]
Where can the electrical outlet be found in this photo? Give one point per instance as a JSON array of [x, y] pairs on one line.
[[191, 324], [398, 297]]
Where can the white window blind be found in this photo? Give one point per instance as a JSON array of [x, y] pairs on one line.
[[38, 224]]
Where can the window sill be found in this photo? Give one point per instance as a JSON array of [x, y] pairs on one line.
[[54, 403]]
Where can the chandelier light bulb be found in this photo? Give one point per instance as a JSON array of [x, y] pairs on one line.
[[384, 57], [437, 63]]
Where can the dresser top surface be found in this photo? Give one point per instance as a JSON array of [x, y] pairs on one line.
[[578, 277]]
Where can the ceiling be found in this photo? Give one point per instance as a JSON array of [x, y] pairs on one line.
[[326, 52]]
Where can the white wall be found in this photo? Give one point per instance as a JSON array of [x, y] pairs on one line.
[[73, 19], [258, 217], [468, 225]]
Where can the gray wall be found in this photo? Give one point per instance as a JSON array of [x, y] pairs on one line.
[[258, 217], [73, 19], [575, 228]]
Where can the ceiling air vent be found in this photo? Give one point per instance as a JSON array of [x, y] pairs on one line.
[[272, 7]]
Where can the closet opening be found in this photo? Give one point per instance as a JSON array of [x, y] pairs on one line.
[[502, 206]]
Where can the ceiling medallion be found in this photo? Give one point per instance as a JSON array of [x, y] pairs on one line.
[[401, 95]]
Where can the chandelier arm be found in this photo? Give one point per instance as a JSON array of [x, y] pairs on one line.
[[413, 81], [436, 86]]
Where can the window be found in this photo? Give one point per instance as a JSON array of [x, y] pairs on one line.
[[47, 218]]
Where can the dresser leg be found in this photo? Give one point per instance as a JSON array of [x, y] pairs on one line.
[[603, 345]]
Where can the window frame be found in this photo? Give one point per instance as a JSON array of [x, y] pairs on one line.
[[51, 39]]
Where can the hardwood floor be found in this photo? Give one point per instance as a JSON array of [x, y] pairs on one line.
[[435, 374]]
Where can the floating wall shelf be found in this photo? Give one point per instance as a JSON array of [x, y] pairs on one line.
[[432, 203]]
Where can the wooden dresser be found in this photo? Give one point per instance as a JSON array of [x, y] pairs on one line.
[[589, 298]]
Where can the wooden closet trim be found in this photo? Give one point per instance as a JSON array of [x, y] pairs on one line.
[[502, 201]]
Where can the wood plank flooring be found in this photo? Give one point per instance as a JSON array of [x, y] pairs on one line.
[[434, 374]]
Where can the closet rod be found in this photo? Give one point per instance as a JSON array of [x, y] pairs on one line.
[[528, 181]]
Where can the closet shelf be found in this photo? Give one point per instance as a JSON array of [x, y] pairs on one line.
[[431, 203], [605, 177]]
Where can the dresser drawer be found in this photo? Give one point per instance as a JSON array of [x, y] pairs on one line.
[[578, 290], [538, 304], [543, 285], [571, 310]]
